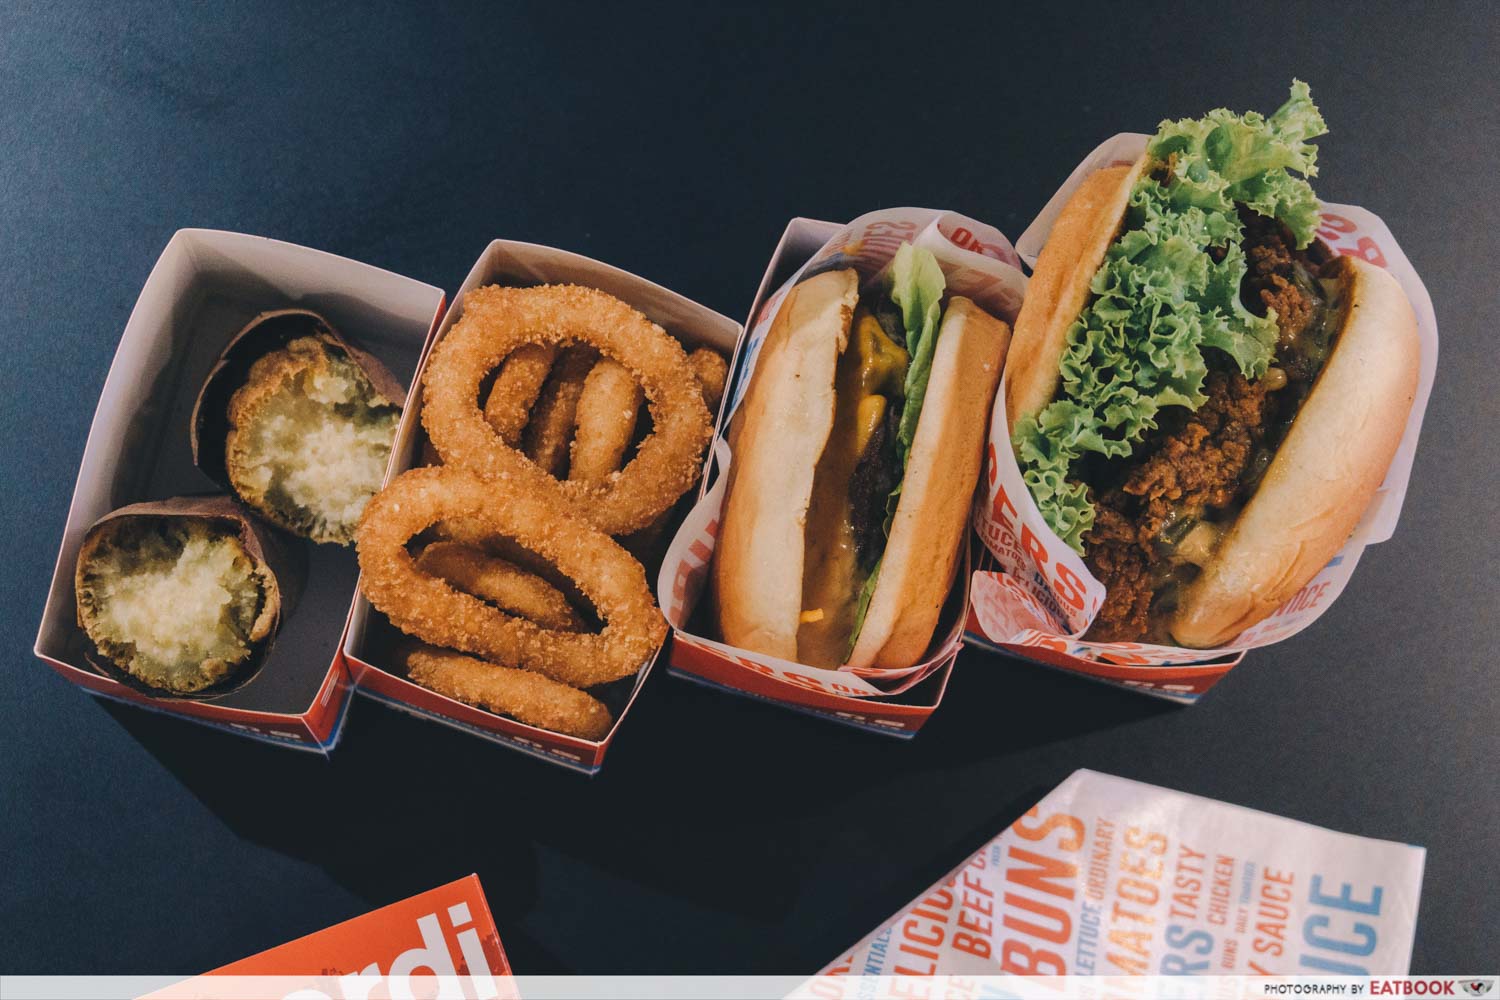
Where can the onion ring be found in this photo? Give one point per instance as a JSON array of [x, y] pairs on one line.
[[606, 422], [525, 696], [713, 372], [465, 532], [551, 426], [498, 320], [433, 610], [476, 536], [516, 389], [504, 584]]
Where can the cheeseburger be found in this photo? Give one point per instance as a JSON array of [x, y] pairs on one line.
[[1202, 397], [855, 457]]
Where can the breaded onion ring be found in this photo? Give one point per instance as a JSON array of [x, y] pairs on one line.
[[433, 610], [606, 422], [516, 388], [524, 696], [712, 371], [498, 320], [551, 426], [504, 584], [477, 536], [464, 532]]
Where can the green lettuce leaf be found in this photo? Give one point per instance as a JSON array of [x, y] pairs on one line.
[[862, 606], [1287, 198], [1223, 158], [917, 286], [1161, 298]]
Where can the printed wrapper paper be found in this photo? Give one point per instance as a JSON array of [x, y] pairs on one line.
[[1111, 877], [1041, 595], [978, 262]]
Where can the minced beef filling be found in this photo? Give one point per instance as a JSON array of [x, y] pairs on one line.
[[1193, 465], [1203, 460], [1275, 280], [876, 475]]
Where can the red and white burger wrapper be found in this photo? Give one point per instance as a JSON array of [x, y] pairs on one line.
[[1111, 877], [978, 262], [1039, 597]]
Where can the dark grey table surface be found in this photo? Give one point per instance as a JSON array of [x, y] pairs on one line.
[[677, 143]]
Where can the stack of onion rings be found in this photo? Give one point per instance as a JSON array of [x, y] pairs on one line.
[[433, 610], [497, 322], [524, 507]]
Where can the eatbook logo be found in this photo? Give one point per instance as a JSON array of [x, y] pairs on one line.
[[1477, 987]]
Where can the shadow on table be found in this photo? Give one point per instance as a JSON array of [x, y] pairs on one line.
[[695, 777]]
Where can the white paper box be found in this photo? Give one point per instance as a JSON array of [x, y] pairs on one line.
[[507, 262], [204, 288]]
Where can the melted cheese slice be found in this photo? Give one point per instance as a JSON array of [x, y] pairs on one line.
[[868, 381]]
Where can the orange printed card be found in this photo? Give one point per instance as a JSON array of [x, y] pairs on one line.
[[444, 932]]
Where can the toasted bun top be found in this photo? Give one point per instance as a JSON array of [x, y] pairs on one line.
[[1059, 286], [784, 424], [1325, 472], [937, 491]]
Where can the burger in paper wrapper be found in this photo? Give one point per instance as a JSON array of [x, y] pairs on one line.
[[856, 457], [897, 321], [1202, 398]]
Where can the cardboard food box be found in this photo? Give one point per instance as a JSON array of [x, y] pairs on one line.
[[977, 261], [203, 290], [371, 637], [1032, 596], [1109, 877]]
